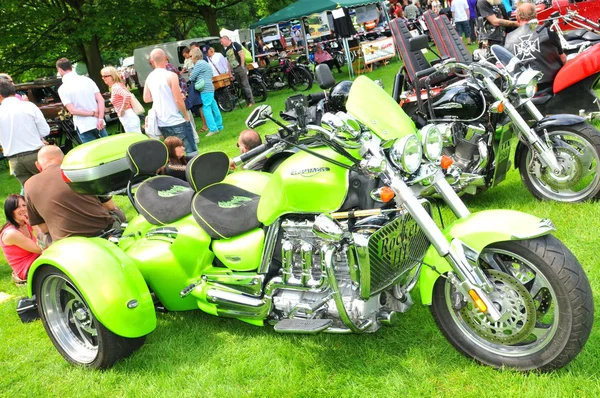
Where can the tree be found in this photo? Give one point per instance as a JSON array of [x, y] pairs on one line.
[[40, 32]]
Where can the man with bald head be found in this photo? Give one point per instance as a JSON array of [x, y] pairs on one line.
[[162, 89], [248, 140], [540, 50], [58, 210]]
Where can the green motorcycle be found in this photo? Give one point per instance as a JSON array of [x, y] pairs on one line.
[[334, 241]]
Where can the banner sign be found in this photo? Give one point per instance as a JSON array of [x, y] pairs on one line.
[[377, 50], [318, 25]]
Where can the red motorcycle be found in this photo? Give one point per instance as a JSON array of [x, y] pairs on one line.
[[573, 88]]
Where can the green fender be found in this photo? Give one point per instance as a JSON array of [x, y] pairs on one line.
[[108, 280], [479, 230]]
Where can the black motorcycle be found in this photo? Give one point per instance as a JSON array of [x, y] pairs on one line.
[[288, 73], [229, 96]]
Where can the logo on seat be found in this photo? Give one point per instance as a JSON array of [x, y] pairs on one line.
[[173, 191], [236, 201]]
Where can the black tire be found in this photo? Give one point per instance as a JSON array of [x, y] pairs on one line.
[[259, 90], [224, 100], [300, 79], [340, 57], [584, 183], [561, 313], [109, 347]]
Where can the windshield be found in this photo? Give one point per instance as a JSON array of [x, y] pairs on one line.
[[506, 58], [376, 109]]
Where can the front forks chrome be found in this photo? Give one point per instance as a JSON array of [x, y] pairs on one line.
[[471, 278], [541, 148]]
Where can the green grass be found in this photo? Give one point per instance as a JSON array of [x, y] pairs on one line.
[[194, 354]]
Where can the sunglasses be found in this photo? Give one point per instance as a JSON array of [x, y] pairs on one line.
[[106, 76]]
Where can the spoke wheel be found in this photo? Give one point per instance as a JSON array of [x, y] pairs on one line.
[[544, 298], [224, 100], [577, 150], [259, 90], [300, 79], [72, 326]]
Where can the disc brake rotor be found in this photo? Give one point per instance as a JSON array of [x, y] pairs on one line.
[[515, 304], [572, 170]]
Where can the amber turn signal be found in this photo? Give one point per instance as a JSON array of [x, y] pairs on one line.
[[386, 194], [478, 301], [501, 107], [446, 162]]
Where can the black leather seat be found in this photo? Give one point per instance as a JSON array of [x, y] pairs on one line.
[[160, 199], [222, 210], [225, 210]]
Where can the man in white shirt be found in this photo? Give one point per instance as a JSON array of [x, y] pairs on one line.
[[460, 13], [217, 62], [82, 98], [162, 89], [22, 131]]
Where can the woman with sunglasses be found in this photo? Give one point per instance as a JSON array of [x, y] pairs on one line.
[[121, 100], [18, 244]]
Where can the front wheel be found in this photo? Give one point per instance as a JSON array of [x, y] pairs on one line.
[[72, 327], [224, 99], [577, 149], [545, 300], [300, 79], [259, 90]]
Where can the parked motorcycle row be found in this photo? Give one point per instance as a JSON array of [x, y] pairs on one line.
[[337, 234]]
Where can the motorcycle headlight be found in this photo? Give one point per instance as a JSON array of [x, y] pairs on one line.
[[527, 83], [406, 153], [432, 141]]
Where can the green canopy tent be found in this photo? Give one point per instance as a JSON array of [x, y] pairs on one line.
[[303, 8]]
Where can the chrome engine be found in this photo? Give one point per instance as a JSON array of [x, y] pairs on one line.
[[303, 265], [467, 145]]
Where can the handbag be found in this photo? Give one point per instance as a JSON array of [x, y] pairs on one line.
[[199, 84], [152, 125], [137, 107]]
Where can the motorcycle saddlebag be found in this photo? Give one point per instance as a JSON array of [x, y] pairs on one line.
[[100, 167]]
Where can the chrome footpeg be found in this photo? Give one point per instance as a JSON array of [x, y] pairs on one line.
[[306, 326]]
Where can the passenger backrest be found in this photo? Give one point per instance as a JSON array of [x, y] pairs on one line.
[[207, 169], [414, 61], [146, 157]]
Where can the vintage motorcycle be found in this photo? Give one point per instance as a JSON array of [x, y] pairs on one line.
[[483, 112], [335, 241], [289, 73]]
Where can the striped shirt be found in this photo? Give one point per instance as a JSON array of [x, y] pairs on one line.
[[202, 70], [120, 97]]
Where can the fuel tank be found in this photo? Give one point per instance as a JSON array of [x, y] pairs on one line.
[[304, 183], [461, 102]]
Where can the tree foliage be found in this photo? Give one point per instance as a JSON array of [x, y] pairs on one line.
[[35, 33]]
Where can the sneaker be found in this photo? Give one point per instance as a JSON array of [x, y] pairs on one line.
[[212, 133], [251, 104]]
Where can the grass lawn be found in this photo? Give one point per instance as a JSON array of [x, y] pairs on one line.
[[194, 354]]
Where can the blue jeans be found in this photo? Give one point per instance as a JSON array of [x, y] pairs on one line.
[[211, 112], [463, 27], [92, 135], [185, 133]]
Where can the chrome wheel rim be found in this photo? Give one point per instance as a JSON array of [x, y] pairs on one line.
[[69, 319], [524, 329], [581, 169]]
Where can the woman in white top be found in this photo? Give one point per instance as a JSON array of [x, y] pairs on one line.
[[217, 62]]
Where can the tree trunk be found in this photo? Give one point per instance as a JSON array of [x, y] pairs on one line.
[[209, 15], [93, 61]]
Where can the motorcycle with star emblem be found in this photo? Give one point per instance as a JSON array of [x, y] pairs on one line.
[[334, 241], [489, 117]]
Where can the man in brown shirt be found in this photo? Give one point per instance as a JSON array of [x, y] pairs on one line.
[[57, 209]]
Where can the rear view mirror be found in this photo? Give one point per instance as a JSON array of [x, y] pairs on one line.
[[259, 116], [418, 43]]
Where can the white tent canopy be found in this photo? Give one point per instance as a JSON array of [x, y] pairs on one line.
[[128, 61]]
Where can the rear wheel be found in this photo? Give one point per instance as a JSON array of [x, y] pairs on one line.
[[259, 90], [300, 79], [71, 325], [545, 300], [224, 100]]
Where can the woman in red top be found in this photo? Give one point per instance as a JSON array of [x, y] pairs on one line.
[[121, 100], [16, 238]]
